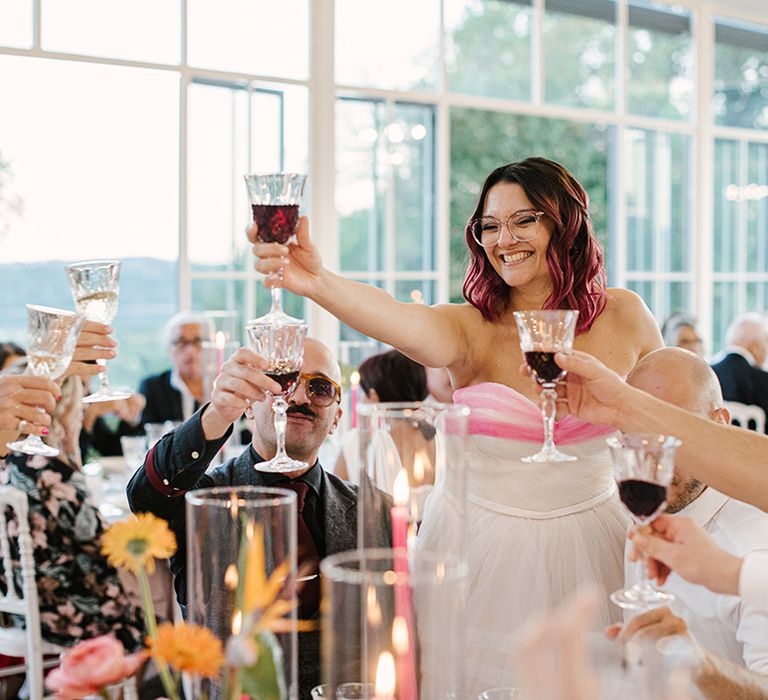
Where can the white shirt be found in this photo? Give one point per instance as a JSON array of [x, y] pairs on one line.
[[187, 399], [733, 628], [753, 580]]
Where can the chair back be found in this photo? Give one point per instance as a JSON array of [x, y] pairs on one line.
[[26, 604], [743, 414]]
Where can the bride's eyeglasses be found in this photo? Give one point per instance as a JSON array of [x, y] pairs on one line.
[[522, 226]]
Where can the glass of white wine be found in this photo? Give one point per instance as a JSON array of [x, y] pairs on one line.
[[95, 286], [51, 339]]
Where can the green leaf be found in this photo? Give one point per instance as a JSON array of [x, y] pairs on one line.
[[264, 680]]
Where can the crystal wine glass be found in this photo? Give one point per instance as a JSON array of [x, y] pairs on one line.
[[95, 286], [542, 334], [275, 199], [283, 347], [643, 466], [51, 339]]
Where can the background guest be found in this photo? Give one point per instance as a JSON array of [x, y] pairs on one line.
[[387, 377], [178, 392], [740, 370], [679, 331], [10, 353]]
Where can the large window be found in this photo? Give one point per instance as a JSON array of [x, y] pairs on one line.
[[127, 136]]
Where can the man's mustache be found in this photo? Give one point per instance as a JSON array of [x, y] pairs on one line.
[[304, 410]]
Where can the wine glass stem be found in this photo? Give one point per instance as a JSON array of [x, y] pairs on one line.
[[643, 582], [548, 410], [103, 378], [279, 407], [277, 300]]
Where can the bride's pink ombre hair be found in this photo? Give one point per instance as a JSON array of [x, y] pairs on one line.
[[574, 257]]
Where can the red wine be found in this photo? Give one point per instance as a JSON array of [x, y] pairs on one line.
[[643, 498], [287, 380], [544, 367], [277, 222]]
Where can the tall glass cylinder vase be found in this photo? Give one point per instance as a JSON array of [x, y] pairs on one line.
[[394, 622], [241, 569], [416, 454]]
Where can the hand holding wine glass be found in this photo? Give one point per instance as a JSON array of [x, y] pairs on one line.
[[543, 333], [95, 287], [21, 398], [51, 338], [94, 344], [643, 466]]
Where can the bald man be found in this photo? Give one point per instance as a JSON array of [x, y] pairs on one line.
[[740, 370], [732, 637]]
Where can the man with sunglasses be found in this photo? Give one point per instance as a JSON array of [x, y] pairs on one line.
[[327, 505]]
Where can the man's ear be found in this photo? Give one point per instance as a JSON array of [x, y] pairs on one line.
[[336, 419], [373, 396], [721, 415]]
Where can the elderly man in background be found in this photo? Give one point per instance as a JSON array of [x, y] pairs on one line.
[[177, 393], [740, 370], [732, 636]]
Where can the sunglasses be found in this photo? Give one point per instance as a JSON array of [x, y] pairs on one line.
[[321, 390]]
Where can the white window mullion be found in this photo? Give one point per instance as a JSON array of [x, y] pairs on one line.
[[702, 157]]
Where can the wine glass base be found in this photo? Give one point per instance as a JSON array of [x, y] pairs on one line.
[[108, 395], [549, 455], [280, 465], [637, 598], [36, 447]]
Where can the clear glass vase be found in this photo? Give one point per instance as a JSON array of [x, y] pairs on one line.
[[241, 561], [395, 620], [417, 454]]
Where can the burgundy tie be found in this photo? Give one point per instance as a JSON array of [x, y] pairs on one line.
[[309, 559]]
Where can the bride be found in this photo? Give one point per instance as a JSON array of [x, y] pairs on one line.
[[536, 532]]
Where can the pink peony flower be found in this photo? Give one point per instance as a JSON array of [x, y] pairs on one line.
[[92, 665]]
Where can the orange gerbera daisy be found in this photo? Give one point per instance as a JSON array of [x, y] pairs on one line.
[[137, 542], [188, 648]]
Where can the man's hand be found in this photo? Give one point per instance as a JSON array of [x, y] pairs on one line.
[[592, 391], [651, 625], [93, 344], [680, 545], [241, 382], [26, 398]]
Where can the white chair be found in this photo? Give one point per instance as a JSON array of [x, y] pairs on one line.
[[742, 414], [14, 641]]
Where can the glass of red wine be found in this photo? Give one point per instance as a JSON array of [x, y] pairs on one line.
[[542, 334], [643, 467], [275, 199], [282, 345]]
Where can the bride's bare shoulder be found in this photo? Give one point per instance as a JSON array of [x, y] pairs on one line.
[[626, 312]]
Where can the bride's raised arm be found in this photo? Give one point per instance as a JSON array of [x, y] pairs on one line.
[[431, 335]]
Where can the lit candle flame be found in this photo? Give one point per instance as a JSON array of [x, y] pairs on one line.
[[374, 609], [400, 491], [400, 641], [237, 622], [221, 340], [233, 507], [354, 379], [385, 677], [231, 577], [418, 467]]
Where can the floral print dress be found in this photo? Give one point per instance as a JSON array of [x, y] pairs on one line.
[[80, 594]]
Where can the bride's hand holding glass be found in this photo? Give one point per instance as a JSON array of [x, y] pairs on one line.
[[298, 264]]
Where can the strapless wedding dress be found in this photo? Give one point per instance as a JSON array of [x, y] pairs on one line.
[[536, 533]]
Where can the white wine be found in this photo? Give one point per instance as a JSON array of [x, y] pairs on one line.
[[48, 364], [99, 306]]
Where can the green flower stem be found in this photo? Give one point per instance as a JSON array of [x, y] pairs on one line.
[[151, 621]]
